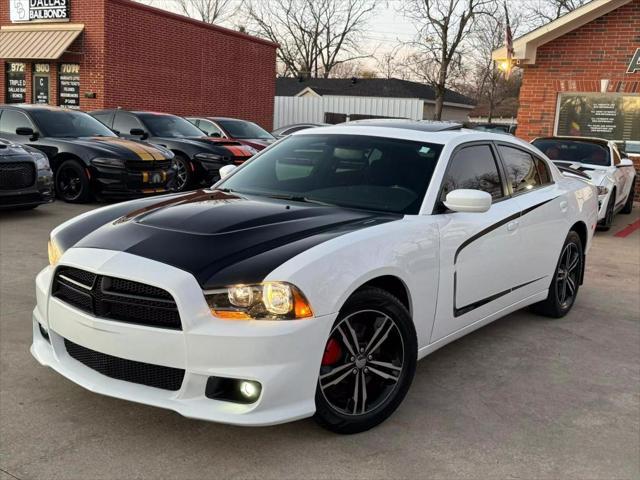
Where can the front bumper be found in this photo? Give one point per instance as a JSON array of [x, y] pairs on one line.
[[284, 356], [121, 183], [40, 192]]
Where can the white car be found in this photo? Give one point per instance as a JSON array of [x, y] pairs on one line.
[[310, 280], [613, 175]]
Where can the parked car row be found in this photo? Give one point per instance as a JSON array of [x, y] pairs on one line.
[[118, 153]]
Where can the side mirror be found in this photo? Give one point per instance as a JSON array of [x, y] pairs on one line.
[[465, 200], [625, 162], [138, 132], [226, 170], [27, 132]]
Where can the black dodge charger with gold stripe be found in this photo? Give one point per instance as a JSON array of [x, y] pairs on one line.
[[87, 158]]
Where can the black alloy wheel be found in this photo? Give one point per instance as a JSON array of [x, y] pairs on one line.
[[564, 287], [72, 183], [183, 175], [368, 364]]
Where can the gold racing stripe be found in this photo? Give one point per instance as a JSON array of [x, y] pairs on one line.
[[144, 152]]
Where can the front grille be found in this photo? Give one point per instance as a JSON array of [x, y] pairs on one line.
[[146, 166], [116, 298], [15, 175], [147, 374]]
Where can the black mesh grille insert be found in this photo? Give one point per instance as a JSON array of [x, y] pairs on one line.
[[147, 374], [116, 298], [15, 175], [146, 165]]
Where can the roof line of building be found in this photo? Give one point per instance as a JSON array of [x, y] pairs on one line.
[[182, 18], [525, 47]]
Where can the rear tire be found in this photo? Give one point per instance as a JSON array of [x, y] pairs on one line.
[[369, 363], [72, 183], [628, 206], [564, 287]]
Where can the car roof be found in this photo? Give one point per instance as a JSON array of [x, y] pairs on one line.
[[419, 125], [29, 107], [458, 135]]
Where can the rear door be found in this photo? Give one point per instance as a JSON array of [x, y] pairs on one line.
[[479, 252], [544, 219]]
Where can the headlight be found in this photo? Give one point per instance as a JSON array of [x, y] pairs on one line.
[[54, 251], [602, 191], [210, 157], [250, 149], [42, 162], [264, 301], [108, 162]]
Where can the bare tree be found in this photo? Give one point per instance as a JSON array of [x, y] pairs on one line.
[[491, 86], [314, 35], [391, 64], [209, 11], [546, 11], [443, 28]]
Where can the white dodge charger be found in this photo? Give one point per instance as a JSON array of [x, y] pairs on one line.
[[310, 280]]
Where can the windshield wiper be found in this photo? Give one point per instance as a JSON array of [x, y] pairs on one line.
[[299, 198]]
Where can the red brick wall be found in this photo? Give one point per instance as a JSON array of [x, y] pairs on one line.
[[163, 62], [138, 57], [576, 62], [89, 47]]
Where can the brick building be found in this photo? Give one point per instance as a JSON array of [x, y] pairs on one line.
[[92, 54]]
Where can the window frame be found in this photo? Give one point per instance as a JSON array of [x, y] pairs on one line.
[[439, 207], [533, 156], [129, 114]]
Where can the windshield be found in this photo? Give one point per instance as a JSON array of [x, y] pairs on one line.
[[242, 129], [574, 151], [169, 126], [68, 123], [370, 173]]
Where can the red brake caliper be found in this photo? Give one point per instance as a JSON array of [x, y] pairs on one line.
[[332, 352]]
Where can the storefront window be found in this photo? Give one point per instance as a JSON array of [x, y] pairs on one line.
[[69, 85], [16, 83], [41, 83]]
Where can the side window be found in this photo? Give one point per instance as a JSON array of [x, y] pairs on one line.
[[125, 122], [521, 169], [209, 128], [616, 156], [106, 118], [543, 171], [474, 168], [12, 120]]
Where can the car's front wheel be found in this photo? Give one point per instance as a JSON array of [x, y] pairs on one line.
[[566, 280], [368, 364], [184, 175], [72, 182]]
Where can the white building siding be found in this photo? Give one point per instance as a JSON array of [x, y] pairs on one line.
[[289, 110]]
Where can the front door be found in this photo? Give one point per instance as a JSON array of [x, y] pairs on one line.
[[478, 251]]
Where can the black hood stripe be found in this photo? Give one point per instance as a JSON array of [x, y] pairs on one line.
[[495, 226]]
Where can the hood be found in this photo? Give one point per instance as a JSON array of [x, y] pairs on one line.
[[116, 147], [257, 143], [225, 239]]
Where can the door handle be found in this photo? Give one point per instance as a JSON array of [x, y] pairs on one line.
[[511, 226], [564, 206]]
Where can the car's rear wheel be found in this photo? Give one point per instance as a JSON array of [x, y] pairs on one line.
[[184, 175], [368, 364], [566, 280], [628, 206], [72, 182]]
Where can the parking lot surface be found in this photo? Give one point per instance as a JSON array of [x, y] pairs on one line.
[[525, 397]]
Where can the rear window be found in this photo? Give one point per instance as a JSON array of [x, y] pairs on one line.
[[574, 151]]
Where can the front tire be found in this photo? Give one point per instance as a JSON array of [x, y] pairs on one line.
[[628, 206], [369, 363], [184, 175], [72, 183], [566, 280]]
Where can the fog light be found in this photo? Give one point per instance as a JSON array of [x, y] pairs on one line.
[[249, 390]]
